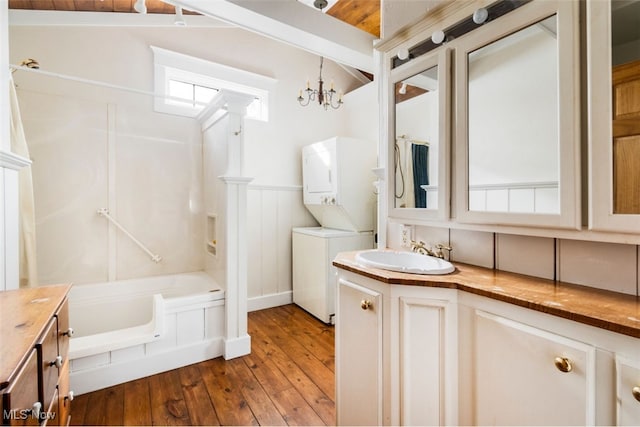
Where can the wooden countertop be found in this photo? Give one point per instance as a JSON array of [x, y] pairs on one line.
[[24, 314], [608, 310]]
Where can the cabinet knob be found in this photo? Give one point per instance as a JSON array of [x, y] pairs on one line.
[[57, 362], [70, 396], [636, 393], [69, 332], [563, 364], [365, 304]]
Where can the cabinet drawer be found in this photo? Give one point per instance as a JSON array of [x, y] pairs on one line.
[[525, 373], [21, 397], [64, 332], [65, 396], [628, 390], [47, 349]]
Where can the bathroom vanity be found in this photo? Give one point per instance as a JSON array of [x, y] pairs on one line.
[[34, 370], [481, 347]]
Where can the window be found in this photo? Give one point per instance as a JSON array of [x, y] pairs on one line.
[[185, 85]]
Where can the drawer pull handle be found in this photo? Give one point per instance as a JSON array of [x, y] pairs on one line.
[[35, 410], [57, 362], [365, 304], [69, 332], [636, 393], [70, 396], [563, 364]]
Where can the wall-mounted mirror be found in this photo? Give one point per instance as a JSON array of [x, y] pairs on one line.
[[419, 135], [517, 136], [613, 57]]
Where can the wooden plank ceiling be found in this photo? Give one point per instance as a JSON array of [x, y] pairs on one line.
[[363, 14]]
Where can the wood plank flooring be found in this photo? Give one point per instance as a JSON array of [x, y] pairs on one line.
[[288, 379]]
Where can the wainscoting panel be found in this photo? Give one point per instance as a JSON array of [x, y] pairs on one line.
[[272, 212]]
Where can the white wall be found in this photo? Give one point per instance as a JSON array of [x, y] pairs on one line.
[[273, 210], [143, 166], [272, 149]]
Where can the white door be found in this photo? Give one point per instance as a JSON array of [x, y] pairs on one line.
[[358, 355], [423, 361]]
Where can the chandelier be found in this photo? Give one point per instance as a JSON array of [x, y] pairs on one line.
[[324, 97]]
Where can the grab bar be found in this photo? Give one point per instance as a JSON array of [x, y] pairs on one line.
[[105, 213]]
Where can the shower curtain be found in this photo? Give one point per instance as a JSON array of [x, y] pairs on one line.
[[27, 222], [420, 154]]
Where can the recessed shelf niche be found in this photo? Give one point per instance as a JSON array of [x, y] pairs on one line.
[[212, 243]]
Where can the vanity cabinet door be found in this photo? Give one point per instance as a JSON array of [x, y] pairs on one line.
[[427, 360], [628, 391], [359, 391], [527, 375]]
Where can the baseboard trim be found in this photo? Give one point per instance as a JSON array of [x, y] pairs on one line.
[[237, 347], [270, 301]]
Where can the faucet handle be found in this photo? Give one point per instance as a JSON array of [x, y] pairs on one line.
[[440, 247], [419, 247]]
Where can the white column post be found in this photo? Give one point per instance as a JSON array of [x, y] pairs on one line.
[[237, 340]]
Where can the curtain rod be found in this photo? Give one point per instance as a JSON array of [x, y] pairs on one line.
[[413, 141], [81, 80], [98, 83]]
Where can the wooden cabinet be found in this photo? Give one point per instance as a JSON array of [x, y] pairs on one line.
[[626, 138], [359, 354], [613, 100], [21, 399], [34, 371], [525, 374]]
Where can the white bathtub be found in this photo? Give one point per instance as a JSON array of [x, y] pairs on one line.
[[129, 329]]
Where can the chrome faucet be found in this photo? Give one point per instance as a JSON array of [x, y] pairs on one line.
[[419, 247]]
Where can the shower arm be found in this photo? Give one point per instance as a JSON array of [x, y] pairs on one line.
[[105, 213]]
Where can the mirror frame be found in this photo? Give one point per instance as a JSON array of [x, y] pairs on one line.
[[441, 59], [568, 36], [600, 129]]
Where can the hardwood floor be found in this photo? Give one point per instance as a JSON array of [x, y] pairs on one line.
[[288, 379]]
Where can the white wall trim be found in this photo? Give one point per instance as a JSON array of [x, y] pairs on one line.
[[270, 301], [267, 187], [237, 347], [11, 160], [107, 19]]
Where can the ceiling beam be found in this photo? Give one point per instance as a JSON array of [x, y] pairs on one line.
[[294, 23]]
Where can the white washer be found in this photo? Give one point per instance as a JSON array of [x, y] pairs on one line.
[[314, 278]]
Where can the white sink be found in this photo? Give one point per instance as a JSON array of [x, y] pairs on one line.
[[406, 262]]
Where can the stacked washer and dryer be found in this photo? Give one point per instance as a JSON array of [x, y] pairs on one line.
[[338, 191]]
